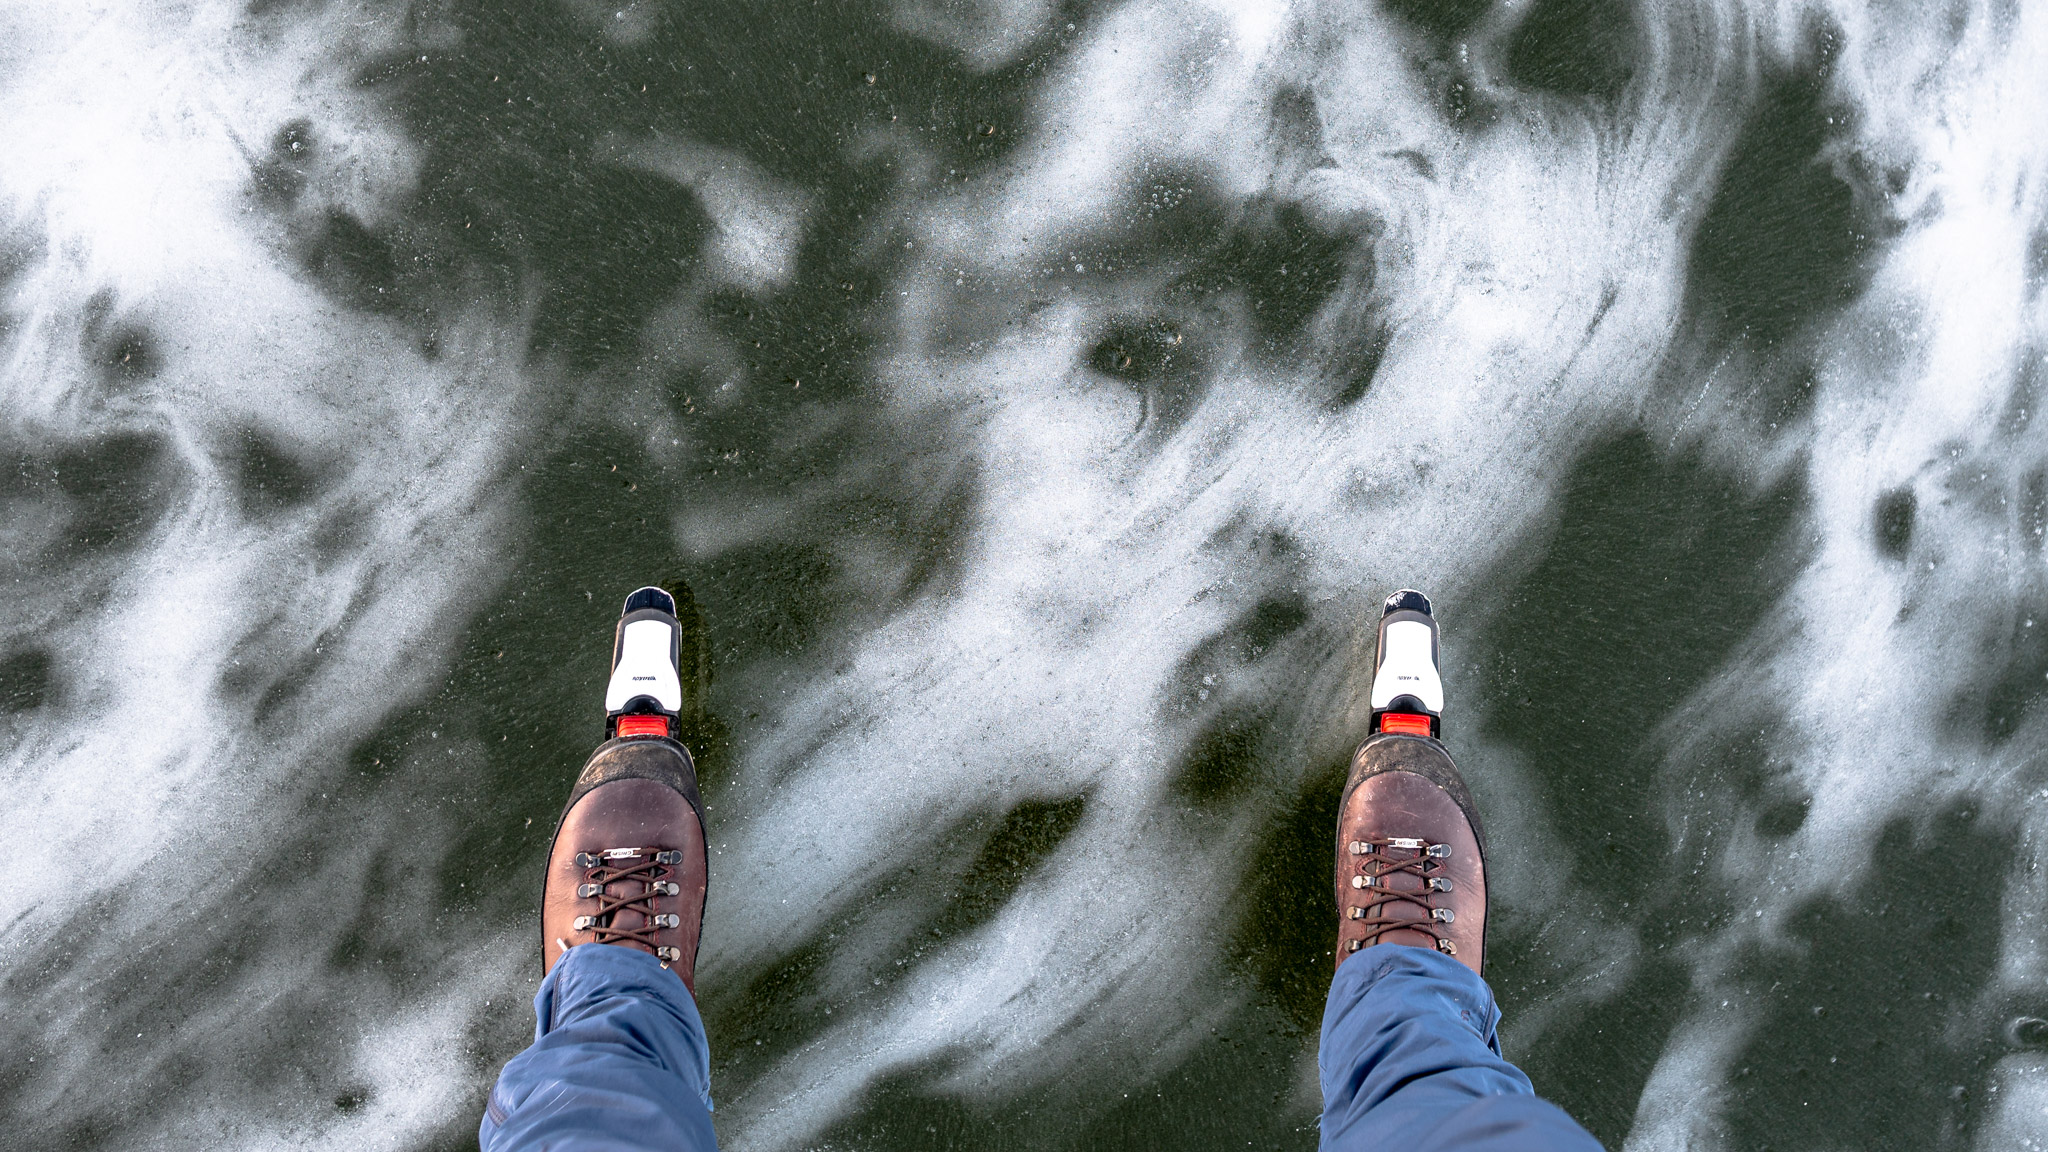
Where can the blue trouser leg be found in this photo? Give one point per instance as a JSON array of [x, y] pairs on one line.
[[1410, 1061], [618, 1062]]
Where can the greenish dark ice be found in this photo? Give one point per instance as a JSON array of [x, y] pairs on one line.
[[1030, 442]]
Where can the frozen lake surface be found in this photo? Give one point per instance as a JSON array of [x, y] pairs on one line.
[[1038, 400]]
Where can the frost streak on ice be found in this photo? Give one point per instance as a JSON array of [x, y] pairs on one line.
[[1534, 303], [759, 221], [1930, 385], [162, 775], [1048, 672]]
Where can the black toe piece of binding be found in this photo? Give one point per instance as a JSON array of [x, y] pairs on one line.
[[651, 597], [1406, 600]]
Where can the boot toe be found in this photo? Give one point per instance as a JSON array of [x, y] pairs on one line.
[[1409, 852], [628, 865]]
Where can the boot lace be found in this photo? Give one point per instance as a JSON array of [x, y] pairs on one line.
[[630, 879], [1378, 861]]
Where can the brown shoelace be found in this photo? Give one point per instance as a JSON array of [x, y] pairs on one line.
[[643, 872], [1376, 864]]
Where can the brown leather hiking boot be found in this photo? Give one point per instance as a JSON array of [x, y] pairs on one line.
[[1411, 863], [628, 863], [1411, 868]]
